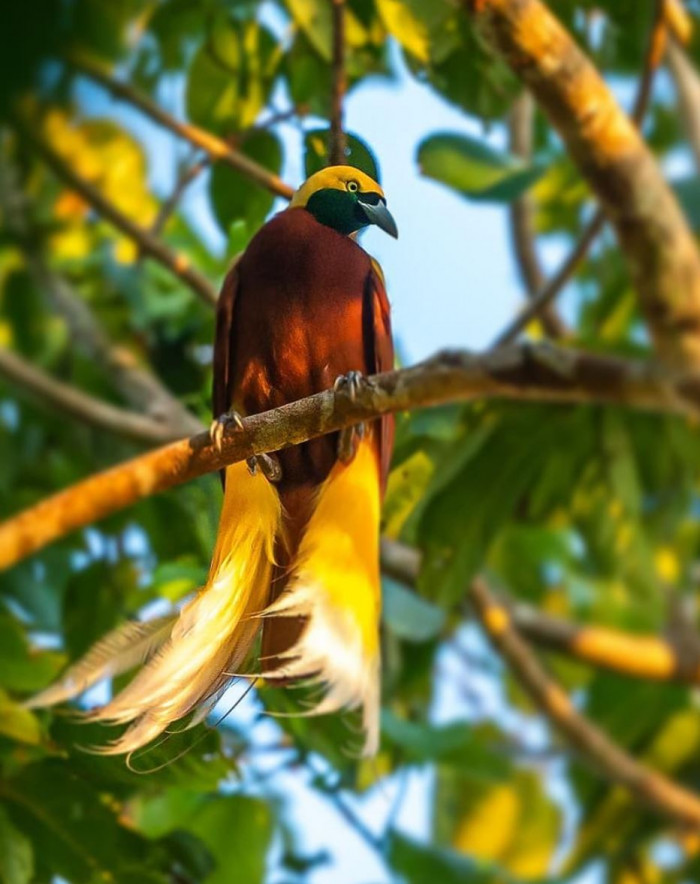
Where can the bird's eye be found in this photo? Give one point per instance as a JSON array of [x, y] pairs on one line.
[[353, 186]]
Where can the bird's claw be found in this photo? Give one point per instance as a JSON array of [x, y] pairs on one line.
[[218, 427], [268, 464], [351, 383], [349, 439]]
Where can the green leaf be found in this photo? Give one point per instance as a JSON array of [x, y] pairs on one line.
[[474, 169], [16, 854], [358, 153], [409, 616], [18, 723], [231, 75], [234, 197], [21, 668], [460, 744], [236, 829], [424, 864]]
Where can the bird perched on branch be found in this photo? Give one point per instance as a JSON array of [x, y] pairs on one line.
[[296, 557]]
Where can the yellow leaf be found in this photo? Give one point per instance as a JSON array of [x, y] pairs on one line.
[[667, 564], [489, 829], [404, 489]]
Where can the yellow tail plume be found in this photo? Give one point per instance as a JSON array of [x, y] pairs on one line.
[[335, 586], [215, 630]]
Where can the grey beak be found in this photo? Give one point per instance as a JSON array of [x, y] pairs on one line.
[[377, 213]]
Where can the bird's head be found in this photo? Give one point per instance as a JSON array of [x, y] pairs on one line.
[[345, 199]]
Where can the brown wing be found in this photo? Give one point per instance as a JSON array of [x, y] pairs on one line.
[[379, 354], [222, 393]]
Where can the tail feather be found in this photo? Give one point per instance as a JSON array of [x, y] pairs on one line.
[[333, 591], [216, 629], [335, 587], [119, 651]]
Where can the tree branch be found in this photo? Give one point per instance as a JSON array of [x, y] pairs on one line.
[[134, 382], [655, 790], [526, 373], [521, 217], [337, 141], [653, 233], [150, 245], [648, 657], [216, 148], [546, 296], [184, 179], [75, 403], [542, 297]]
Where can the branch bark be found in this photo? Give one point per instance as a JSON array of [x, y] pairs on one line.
[[543, 296], [526, 373], [75, 403], [653, 233], [150, 245], [649, 657], [337, 141], [655, 790], [215, 148]]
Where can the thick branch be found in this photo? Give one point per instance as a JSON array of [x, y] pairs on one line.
[[337, 141], [542, 373], [542, 297], [215, 148], [150, 245], [652, 230], [75, 403], [521, 216], [655, 790], [640, 656]]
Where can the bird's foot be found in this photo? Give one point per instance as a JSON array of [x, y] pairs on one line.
[[219, 426], [268, 464], [351, 384], [349, 440]]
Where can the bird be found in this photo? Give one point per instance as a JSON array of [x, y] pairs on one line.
[[296, 558]]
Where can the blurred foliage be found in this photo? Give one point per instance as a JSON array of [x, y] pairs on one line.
[[589, 513]]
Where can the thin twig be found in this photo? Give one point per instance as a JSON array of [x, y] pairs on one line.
[[150, 245], [521, 216], [528, 373], [555, 285], [73, 402], [216, 148], [337, 142], [169, 206], [655, 790]]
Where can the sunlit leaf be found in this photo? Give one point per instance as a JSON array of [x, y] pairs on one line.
[[474, 169], [16, 855]]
